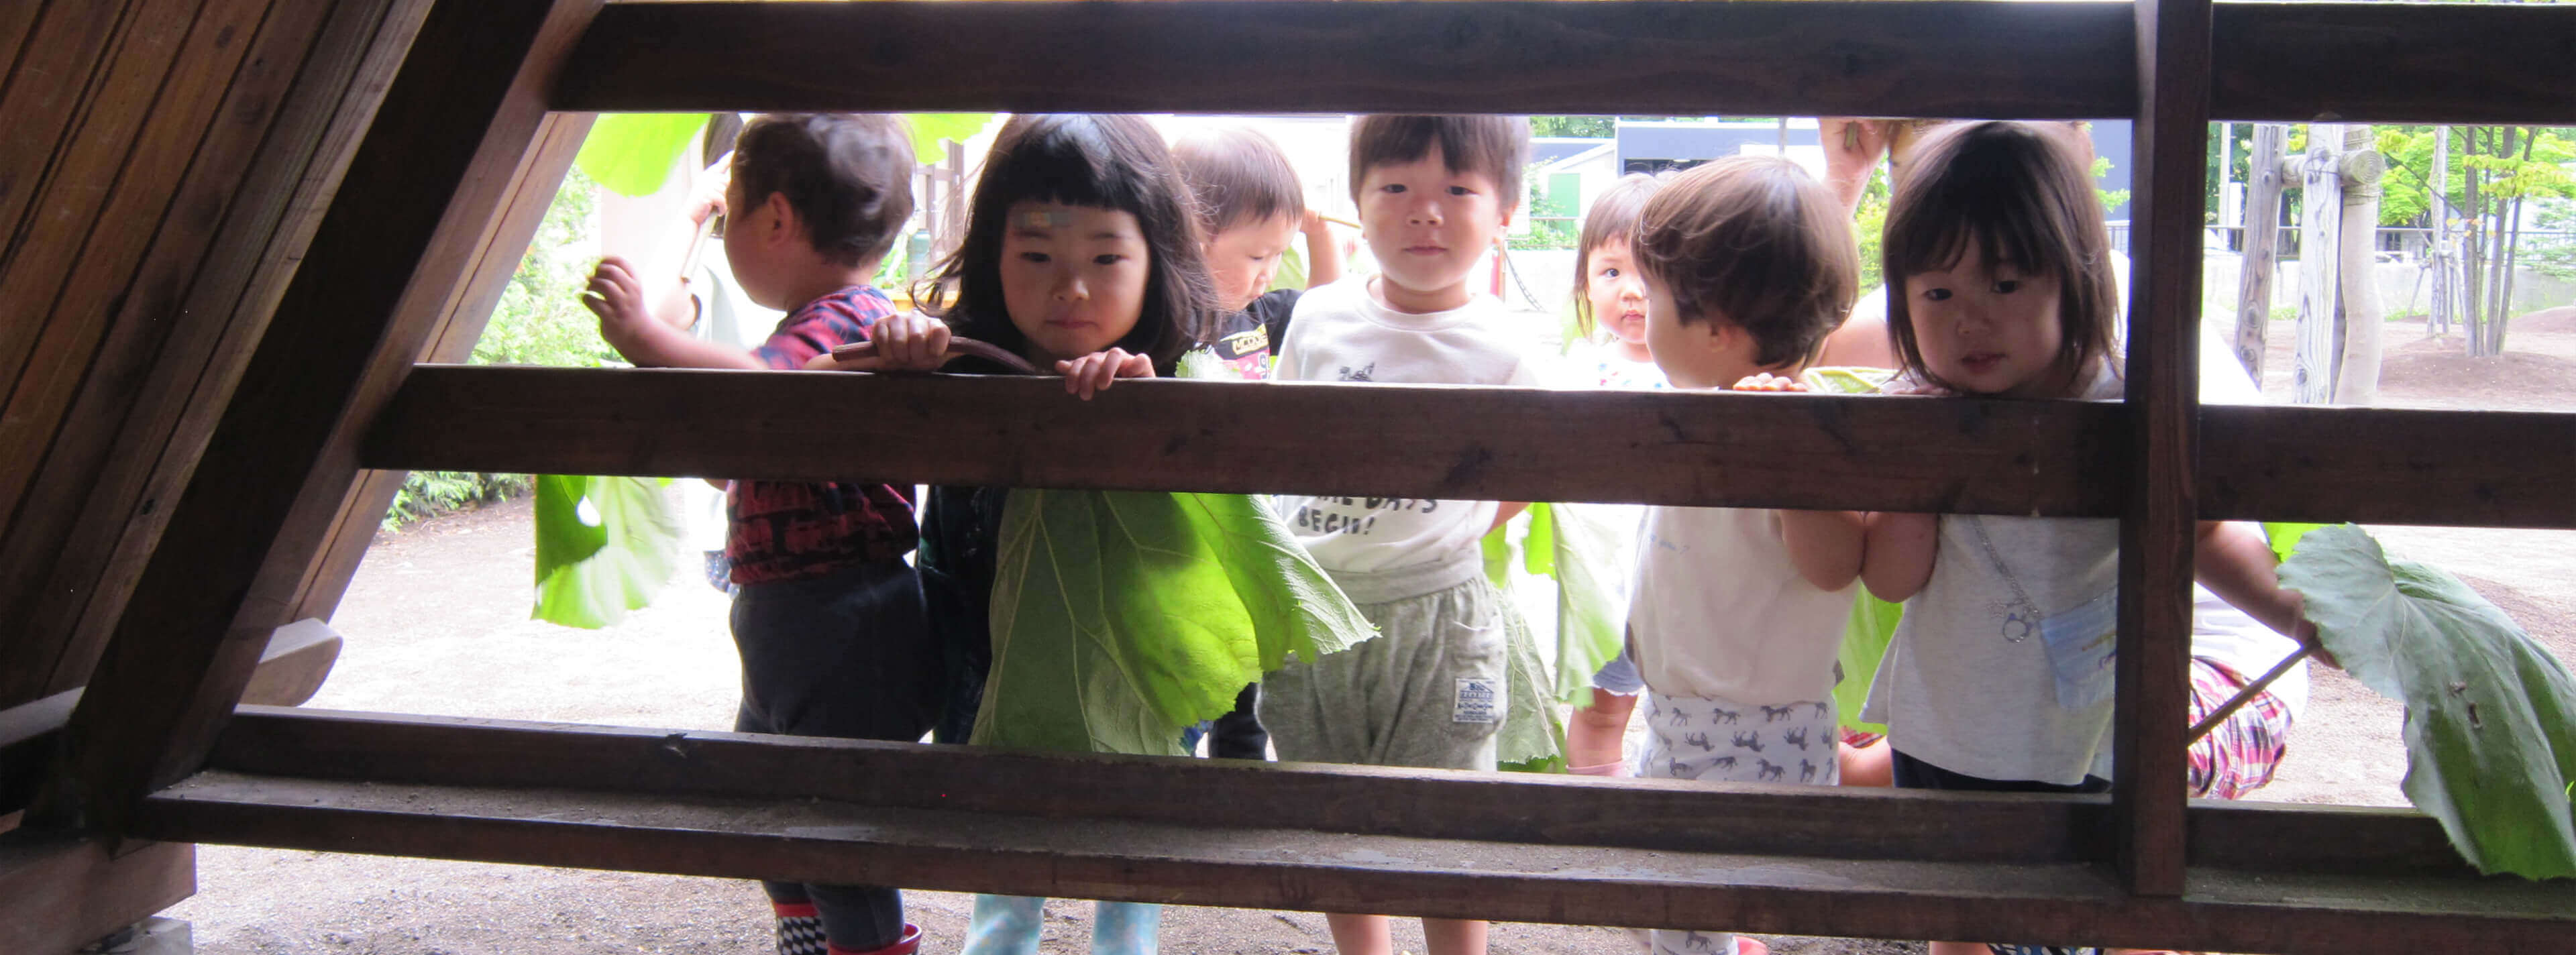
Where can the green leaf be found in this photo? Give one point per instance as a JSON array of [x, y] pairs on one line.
[[632, 153], [1121, 617], [930, 130], [2285, 537], [596, 563], [1865, 638], [1292, 269], [1838, 380], [2490, 715], [1592, 553]]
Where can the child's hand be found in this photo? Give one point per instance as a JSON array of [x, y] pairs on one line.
[[617, 297], [1093, 372], [1764, 381], [909, 341], [709, 201]]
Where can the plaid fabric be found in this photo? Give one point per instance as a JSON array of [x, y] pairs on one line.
[[779, 530], [2240, 755]]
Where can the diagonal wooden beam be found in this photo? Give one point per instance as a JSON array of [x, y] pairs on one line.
[[2163, 387], [412, 209]]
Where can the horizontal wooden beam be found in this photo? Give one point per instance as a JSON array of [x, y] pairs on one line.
[[1415, 842], [2394, 63], [1919, 454], [1842, 57], [1998, 457], [1530, 808], [1944, 58]]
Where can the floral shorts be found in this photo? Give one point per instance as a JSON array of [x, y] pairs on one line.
[[2240, 755]]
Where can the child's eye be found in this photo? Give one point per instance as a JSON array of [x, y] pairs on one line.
[[1610, 273], [1035, 257], [1936, 294], [1108, 258], [1461, 191], [2006, 286], [1392, 187]]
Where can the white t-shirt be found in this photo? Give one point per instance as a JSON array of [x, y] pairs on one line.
[[1341, 333], [1955, 691], [2218, 631], [1721, 613]]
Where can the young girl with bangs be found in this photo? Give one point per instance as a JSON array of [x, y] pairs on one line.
[[1080, 257], [2000, 675]]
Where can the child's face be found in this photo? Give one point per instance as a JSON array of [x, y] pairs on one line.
[[1616, 292], [747, 236], [1709, 353], [1073, 277], [1990, 329], [1428, 227], [1243, 259]]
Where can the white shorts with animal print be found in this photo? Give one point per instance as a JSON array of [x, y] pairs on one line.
[[1724, 741]]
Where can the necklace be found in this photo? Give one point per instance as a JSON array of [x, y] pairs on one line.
[[2021, 615]]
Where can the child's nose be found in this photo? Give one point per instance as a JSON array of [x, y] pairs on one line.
[[1068, 285], [1426, 212]]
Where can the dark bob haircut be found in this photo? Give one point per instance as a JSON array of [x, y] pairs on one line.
[[848, 176], [1613, 218], [2021, 194], [1103, 161]]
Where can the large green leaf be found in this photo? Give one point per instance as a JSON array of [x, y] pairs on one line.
[[604, 546], [1865, 638], [1121, 617], [632, 153], [1591, 554], [2490, 715], [930, 130]]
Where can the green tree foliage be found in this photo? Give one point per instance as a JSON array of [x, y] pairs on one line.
[[2503, 172], [1551, 220], [1587, 127]]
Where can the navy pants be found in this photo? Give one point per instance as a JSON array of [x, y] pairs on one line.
[[847, 654]]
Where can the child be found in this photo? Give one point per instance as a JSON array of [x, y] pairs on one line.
[[1080, 257], [1738, 613], [1248, 201], [1433, 193], [1999, 677], [1610, 293], [827, 616]]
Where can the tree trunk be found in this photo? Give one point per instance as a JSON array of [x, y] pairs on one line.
[[2473, 274], [2357, 377], [2320, 226], [2512, 255], [2262, 247], [2437, 257]]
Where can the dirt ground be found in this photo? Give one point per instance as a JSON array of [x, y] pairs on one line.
[[436, 624]]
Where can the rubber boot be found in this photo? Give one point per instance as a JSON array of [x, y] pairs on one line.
[[1005, 925], [1125, 928], [907, 945]]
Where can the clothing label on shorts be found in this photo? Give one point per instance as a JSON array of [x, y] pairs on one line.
[[1480, 700], [2083, 645]]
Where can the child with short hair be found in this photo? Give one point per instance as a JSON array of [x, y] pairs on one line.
[[2000, 676], [1433, 193], [1738, 613], [827, 615], [1249, 202]]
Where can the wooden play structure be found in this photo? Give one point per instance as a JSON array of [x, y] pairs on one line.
[[247, 233]]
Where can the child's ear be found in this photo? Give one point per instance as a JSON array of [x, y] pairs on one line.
[[783, 222]]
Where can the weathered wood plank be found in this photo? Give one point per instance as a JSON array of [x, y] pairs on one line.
[[161, 403], [1534, 809], [2282, 61], [1937, 58], [2395, 62], [1423, 441], [1291, 868], [2163, 384], [2428, 467], [56, 65], [59, 891], [2385, 466], [422, 189]]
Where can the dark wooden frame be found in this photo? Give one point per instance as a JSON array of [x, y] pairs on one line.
[[2234, 878]]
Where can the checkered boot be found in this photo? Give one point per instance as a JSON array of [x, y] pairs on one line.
[[800, 929]]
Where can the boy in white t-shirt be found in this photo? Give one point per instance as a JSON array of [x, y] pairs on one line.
[[1430, 690], [1749, 265]]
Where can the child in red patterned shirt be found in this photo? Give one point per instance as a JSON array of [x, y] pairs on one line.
[[827, 615]]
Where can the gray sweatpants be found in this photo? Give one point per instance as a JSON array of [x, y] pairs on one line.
[[1428, 691]]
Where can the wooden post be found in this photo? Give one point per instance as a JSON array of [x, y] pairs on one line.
[[2163, 403], [2320, 229], [413, 210], [2262, 247], [2357, 248]]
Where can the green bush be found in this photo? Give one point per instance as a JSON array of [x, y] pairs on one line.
[[539, 321]]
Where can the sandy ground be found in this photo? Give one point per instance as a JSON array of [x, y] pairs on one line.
[[436, 624]]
